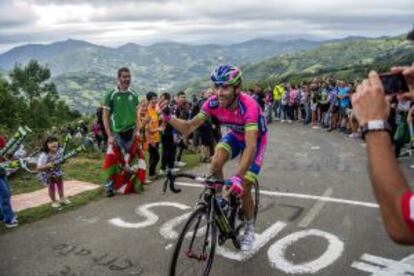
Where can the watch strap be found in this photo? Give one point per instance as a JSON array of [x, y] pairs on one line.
[[375, 125]]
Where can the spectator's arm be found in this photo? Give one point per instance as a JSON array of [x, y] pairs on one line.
[[137, 122], [388, 182], [389, 186], [105, 118], [44, 167], [42, 164], [410, 115]]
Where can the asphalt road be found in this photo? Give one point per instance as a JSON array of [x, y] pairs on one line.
[[318, 216]]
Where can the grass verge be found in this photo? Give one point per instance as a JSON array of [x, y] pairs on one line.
[[85, 167]]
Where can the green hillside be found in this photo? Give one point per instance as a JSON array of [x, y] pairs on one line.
[[344, 60], [84, 91], [347, 60]]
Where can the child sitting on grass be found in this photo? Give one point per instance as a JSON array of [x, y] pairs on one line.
[[51, 174]]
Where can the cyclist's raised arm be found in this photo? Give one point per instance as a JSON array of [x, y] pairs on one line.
[[187, 127]]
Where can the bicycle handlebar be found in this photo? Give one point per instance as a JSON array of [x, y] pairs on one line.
[[21, 163], [207, 181]]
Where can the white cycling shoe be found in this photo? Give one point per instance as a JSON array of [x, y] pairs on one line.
[[247, 241]]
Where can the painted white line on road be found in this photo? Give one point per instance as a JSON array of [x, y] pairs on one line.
[[409, 259], [315, 210], [144, 211], [277, 253], [261, 240], [382, 266], [303, 196], [167, 229]]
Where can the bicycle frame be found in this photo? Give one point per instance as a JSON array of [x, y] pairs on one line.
[[208, 216], [208, 198], [15, 141]]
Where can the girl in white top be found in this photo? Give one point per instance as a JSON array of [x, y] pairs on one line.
[[51, 174]]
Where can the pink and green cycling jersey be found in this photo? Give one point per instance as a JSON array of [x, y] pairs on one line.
[[247, 116]]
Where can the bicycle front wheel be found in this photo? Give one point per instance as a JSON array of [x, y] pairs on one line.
[[194, 251]]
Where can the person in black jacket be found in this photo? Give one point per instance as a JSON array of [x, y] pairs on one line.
[[167, 142], [181, 112], [206, 134]]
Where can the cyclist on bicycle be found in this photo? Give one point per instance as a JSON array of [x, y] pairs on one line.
[[248, 135]]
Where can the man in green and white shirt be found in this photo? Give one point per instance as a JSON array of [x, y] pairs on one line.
[[120, 116]]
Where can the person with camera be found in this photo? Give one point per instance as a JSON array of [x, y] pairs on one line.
[[394, 196]]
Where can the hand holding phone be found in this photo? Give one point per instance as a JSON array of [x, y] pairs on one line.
[[394, 83]]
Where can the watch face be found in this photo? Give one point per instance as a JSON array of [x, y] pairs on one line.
[[378, 124]]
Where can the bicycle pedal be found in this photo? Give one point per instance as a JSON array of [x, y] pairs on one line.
[[221, 240]]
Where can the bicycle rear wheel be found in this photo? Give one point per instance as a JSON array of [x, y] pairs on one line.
[[194, 251]]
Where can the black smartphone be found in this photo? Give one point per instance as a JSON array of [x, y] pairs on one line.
[[394, 83]]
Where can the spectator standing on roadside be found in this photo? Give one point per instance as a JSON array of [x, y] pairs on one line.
[[183, 113], [154, 135]]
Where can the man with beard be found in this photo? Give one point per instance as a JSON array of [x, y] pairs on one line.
[[120, 120]]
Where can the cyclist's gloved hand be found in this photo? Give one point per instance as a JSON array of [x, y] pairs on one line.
[[236, 186]]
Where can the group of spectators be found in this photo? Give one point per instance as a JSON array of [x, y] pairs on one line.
[[319, 103], [326, 104], [124, 117], [162, 142]]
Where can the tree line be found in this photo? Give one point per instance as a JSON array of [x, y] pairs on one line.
[[28, 97]]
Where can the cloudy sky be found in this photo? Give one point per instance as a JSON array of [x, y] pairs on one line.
[[115, 22]]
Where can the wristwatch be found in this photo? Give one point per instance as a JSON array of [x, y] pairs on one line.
[[375, 125]]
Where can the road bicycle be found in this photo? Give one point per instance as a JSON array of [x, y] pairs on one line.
[[211, 222]]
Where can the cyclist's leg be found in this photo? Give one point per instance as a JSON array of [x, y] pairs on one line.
[[226, 149], [247, 239], [251, 177], [220, 157], [247, 199]]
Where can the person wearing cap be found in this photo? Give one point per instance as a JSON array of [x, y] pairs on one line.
[[394, 195]]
